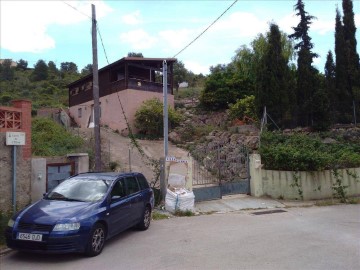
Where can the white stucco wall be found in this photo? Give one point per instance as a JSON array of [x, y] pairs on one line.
[[111, 113], [313, 185]]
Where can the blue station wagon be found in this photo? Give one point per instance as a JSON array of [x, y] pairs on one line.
[[81, 213]]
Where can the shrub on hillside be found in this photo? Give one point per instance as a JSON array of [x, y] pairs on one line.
[[51, 139], [149, 118], [243, 107], [300, 152]]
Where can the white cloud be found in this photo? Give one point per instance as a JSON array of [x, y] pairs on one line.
[[24, 24], [357, 20], [132, 18], [318, 60], [323, 27], [138, 39], [286, 23], [175, 39], [196, 67], [241, 24]]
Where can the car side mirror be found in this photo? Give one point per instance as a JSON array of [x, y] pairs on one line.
[[115, 197]]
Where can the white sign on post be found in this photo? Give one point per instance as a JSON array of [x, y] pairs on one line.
[[15, 138]]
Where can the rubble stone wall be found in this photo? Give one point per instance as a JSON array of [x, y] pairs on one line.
[[23, 176]]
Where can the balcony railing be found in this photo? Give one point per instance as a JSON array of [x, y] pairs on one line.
[[147, 86]]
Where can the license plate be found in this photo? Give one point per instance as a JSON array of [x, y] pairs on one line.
[[29, 237]]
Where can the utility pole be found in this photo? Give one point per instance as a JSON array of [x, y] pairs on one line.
[[96, 94], [165, 112], [166, 126]]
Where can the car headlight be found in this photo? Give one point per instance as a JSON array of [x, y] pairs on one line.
[[66, 227], [11, 223]]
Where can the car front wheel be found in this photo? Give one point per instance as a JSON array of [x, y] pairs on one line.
[[96, 240], [146, 219]]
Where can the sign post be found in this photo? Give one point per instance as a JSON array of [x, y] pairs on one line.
[[14, 139]]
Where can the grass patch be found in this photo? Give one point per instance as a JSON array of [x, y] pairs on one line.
[[159, 216], [325, 203], [4, 218], [186, 213], [191, 92], [353, 201]]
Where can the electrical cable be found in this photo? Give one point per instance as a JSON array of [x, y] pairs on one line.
[[97, 28], [222, 14], [77, 10], [102, 43]]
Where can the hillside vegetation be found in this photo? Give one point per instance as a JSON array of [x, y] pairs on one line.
[[45, 85]]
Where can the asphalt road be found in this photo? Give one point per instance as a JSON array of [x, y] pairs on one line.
[[300, 238]]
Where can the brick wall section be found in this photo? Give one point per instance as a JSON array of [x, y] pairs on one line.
[[25, 107], [23, 162]]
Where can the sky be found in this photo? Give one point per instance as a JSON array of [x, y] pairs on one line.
[[60, 31]]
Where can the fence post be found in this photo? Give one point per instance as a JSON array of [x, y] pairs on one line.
[[354, 113]]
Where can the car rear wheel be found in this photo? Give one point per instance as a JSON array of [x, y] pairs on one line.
[[96, 240], [146, 219]]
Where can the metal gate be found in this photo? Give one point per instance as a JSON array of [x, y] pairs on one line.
[[57, 172], [220, 169]]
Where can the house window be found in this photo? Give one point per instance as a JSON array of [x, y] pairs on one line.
[[79, 112]]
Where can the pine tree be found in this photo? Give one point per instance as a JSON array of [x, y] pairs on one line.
[[53, 71], [40, 71], [21, 65], [7, 71], [306, 73]]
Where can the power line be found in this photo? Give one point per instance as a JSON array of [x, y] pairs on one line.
[[222, 14], [97, 28], [77, 10], [102, 43]]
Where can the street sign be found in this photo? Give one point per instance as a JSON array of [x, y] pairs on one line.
[[15, 138], [174, 159]]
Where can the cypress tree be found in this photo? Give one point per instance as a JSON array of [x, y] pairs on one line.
[[349, 35], [352, 57], [340, 70], [306, 73], [347, 63], [273, 78], [330, 85]]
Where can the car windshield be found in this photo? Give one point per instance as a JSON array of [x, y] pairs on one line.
[[85, 190]]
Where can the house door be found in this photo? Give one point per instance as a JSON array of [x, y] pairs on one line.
[[57, 172], [91, 120]]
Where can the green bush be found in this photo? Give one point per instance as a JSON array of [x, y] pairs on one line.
[[51, 139], [149, 118], [243, 107], [300, 152]]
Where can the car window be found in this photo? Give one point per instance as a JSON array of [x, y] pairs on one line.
[[118, 189], [142, 181], [131, 185], [79, 189]]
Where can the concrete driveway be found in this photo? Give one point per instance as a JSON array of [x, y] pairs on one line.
[[299, 238]]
